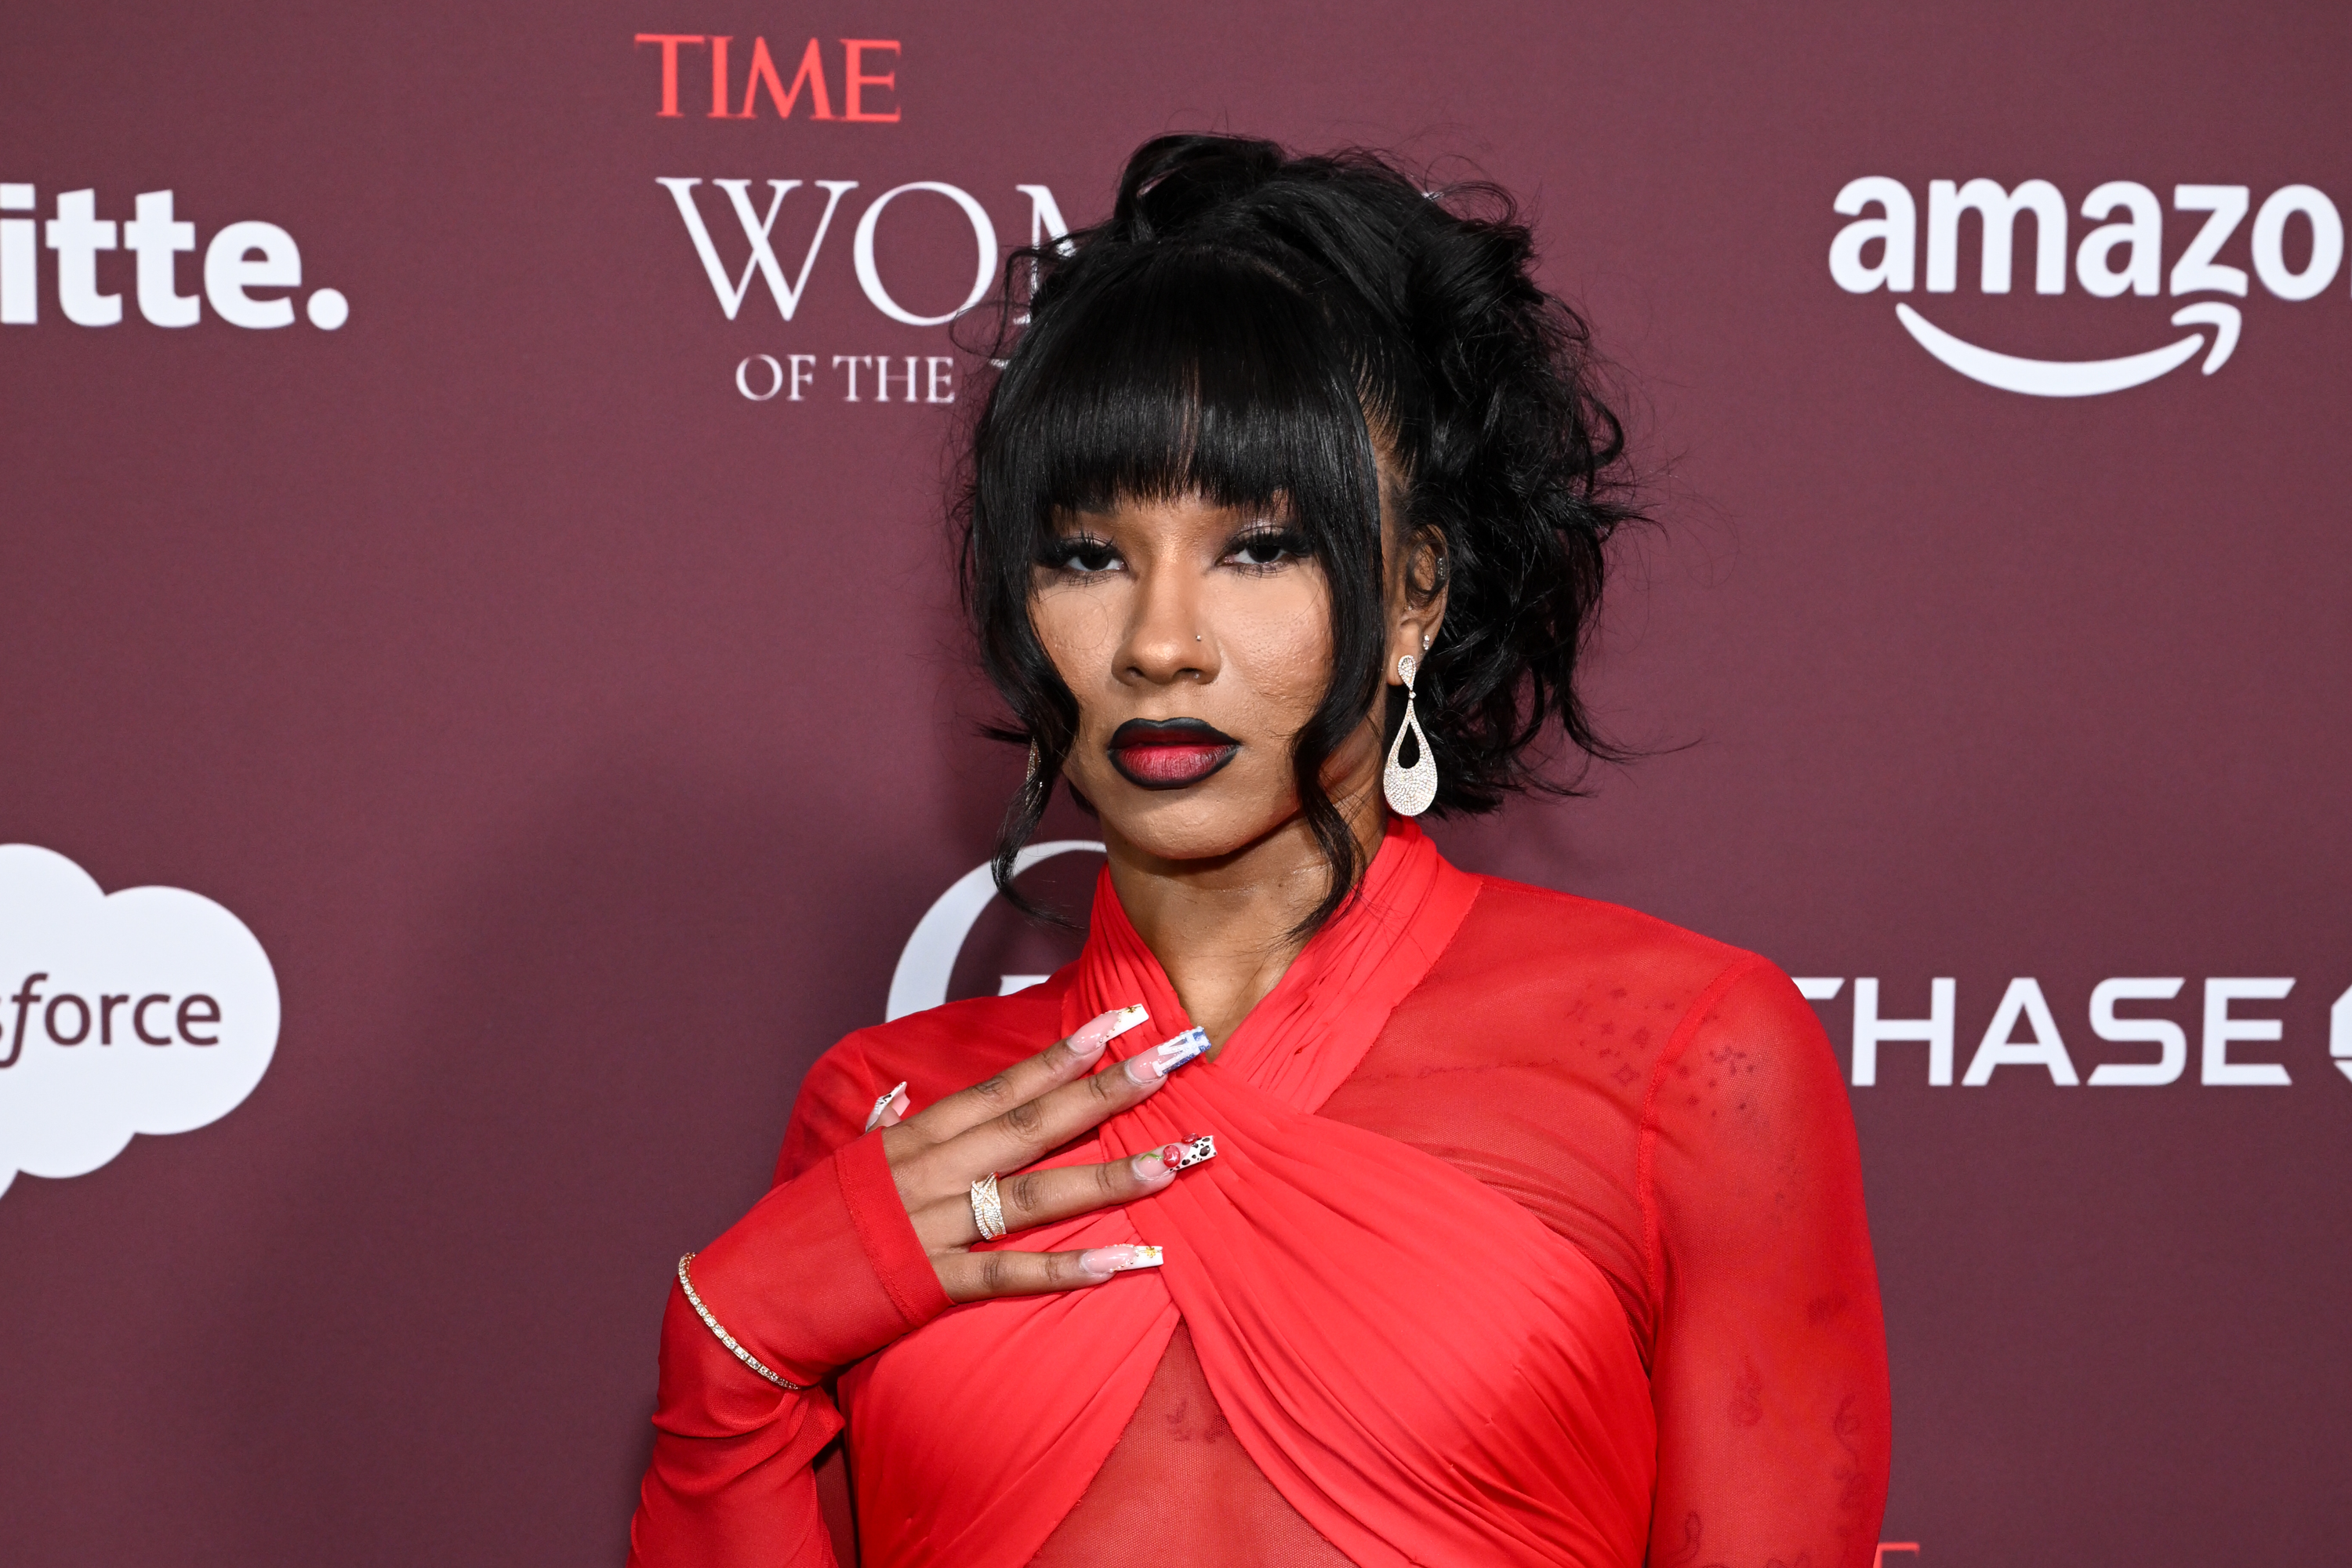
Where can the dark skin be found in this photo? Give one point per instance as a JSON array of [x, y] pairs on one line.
[[1156, 610]]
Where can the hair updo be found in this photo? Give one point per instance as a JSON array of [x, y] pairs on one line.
[[1246, 327]]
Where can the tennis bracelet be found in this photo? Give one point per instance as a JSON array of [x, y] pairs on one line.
[[746, 1357]]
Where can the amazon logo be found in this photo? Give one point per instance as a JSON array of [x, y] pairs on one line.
[[2295, 241]]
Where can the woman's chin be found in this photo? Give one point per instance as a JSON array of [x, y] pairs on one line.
[[1192, 824]]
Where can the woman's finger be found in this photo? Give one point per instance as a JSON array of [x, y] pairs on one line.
[[981, 1276], [1024, 1132], [1063, 1192], [889, 1110], [1025, 1079]]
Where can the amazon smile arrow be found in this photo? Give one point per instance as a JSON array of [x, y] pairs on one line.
[[2079, 378]]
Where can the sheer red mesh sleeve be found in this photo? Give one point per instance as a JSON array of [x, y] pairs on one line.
[[1671, 1106], [1769, 1376], [825, 1269], [822, 1270]]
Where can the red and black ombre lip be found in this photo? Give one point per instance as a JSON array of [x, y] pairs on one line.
[[1170, 753]]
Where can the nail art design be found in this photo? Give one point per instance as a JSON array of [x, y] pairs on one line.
[[1096, 1033], [1184, 1156], [874, 1117], [1175, 1053], [1118, 1259]]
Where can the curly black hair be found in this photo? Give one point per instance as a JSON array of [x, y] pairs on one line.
[[1255, 328]]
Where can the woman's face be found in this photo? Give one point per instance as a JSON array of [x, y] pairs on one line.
[[1197, 640]]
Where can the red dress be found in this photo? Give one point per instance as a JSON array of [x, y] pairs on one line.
[[1535, 1236]]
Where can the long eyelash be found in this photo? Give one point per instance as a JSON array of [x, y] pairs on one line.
[[1065, 550], [1290, 541]]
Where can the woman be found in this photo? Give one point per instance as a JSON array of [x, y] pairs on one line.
[[1495, 1225]]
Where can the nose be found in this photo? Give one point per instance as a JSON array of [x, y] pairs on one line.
[[1167, 643]]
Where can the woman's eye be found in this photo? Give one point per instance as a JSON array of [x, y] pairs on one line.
[[1081, 554], [1268, 547]]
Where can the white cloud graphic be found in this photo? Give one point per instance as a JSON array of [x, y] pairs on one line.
[[151, 1010]]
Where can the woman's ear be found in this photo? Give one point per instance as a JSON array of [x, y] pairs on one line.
[[1416, 598]]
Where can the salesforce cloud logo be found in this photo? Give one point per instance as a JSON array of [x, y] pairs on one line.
[[152, 1010], [2296, 245]]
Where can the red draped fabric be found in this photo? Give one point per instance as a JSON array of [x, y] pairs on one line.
[[1482, 1416], [1534, 1236]]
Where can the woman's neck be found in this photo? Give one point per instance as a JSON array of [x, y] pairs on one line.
[[1224, 930]]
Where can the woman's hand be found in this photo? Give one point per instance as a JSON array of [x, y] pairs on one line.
[[1006, 1123]]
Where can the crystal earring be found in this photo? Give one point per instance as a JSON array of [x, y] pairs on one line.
[[1410, 789]]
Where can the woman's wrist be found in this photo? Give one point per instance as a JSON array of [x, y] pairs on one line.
[[734, 1346], [823, 1270]]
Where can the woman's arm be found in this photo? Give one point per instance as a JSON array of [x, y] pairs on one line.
[[866, 1238], [1769, 1376], [806, 1287]]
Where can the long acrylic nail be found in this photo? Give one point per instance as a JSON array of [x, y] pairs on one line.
[[889, 1102], [1154, 1064], [1096, 1033], [1102, 1262], [1192, 1151], [1154, 1166]]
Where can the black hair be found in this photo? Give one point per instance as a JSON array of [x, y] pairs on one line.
[[1255, 328]]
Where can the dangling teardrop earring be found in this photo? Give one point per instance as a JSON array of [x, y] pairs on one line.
[[1410, 789]]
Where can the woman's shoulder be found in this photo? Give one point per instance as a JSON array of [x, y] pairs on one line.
[[1518, 924], [934, 1053], [1587, 957]]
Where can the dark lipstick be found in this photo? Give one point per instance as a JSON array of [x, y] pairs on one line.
[[1170, 753]]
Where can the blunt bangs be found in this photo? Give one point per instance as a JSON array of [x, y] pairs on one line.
[[1181, 371]]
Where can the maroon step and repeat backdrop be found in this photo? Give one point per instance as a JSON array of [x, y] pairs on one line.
[[471, 489]]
